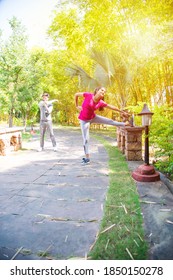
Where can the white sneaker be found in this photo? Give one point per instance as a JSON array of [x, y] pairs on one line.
[[40, 149], [55, 149]]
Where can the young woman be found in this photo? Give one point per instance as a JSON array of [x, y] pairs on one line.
[[91, 103]]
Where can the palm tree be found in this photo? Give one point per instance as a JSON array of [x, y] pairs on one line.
[[109, 71]]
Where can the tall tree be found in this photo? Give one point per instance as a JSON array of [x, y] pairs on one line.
[[32, 85], [22, 73], [13, 57]]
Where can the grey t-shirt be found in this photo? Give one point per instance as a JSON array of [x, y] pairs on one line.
[[45, 110]]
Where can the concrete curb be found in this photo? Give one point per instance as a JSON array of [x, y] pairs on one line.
[[167, 182]]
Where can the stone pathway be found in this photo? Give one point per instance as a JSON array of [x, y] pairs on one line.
[[157, 210], [49, 202]]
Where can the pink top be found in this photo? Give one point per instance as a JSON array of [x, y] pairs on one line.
[[89, 106]]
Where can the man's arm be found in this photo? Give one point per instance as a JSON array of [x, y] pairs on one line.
[[52, 101], [46, 105]]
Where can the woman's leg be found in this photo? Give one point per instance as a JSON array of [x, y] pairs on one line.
[[85, 134], [103, 120]]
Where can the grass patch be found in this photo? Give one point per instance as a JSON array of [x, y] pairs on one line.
[[121, 235], [26, 136]]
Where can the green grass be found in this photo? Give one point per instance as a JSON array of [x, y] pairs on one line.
[[26, 136], [124, 238]]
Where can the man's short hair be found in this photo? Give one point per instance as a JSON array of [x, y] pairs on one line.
[[45, 94]]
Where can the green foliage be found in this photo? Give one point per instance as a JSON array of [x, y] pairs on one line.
[[21, 72], [12, 60], [92, 32], [161, 137], [66, 25]]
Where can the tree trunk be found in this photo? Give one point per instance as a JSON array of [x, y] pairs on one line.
[[11, 118]]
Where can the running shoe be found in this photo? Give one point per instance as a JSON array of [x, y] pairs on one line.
[[40, 149], [86, 161]]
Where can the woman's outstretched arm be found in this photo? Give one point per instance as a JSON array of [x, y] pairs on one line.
[[112, 107]]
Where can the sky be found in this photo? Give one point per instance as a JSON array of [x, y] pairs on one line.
[[35, 15]]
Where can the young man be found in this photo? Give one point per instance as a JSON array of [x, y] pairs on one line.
[[46, 108], [91, 103]]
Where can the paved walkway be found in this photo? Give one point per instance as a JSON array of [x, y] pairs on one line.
[[157, 209], [50, 203]]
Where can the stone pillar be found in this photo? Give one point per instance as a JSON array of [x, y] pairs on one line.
[[131, 142], [10, 137]]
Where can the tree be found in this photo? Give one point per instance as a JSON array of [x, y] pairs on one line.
[[13, 58], [109, 71], [133, 30], [22, 75], [32, 85]]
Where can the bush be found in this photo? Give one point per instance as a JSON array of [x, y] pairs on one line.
[[161, 138]]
